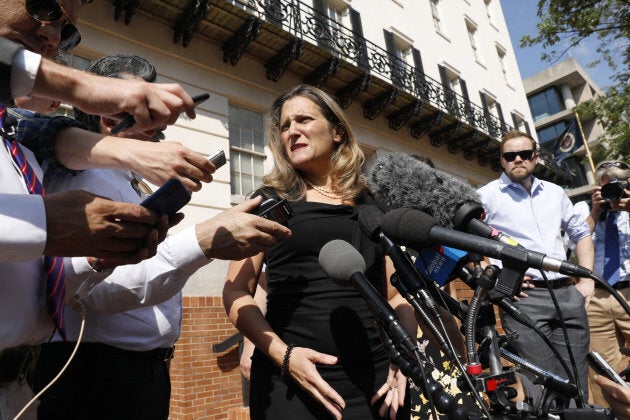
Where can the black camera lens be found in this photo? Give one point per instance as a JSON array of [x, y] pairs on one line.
[[613, 190]]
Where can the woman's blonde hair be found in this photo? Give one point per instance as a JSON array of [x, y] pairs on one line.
[[345, 163]]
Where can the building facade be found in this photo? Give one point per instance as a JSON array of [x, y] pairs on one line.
[[552, 95], [431, 77]]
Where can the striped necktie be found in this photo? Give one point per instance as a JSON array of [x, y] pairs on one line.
[[55, 284]]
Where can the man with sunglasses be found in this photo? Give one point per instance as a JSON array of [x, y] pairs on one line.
[[608, 220], [534, 213]]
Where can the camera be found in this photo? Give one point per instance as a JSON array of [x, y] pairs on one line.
[[613, 190]]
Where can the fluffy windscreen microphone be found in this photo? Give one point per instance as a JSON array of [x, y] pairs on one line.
[[403, 181]]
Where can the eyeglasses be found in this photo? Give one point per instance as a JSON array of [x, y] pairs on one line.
[[524, 154], [616, 164], [50, 11]]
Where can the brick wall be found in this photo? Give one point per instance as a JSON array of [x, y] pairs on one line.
[[205, 385]]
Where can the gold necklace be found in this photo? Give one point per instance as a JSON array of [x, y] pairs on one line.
[[324, 191]]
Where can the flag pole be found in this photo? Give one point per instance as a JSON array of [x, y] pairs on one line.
[[588, 150]]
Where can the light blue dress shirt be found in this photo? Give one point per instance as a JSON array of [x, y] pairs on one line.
[[535, 221]]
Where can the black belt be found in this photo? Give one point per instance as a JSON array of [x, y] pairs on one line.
[[555, 283], [161, 354], [617, 286]]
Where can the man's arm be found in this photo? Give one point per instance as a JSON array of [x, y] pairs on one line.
[[585, 252], [79, 223], [75, 148], [153, 105], [234, 234]]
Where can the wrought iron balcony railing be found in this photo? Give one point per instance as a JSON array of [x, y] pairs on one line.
[[306, 23]]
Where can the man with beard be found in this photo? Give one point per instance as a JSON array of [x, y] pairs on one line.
[[534, 212]]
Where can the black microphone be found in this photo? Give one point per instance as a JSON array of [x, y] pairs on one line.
[[342, 262], [418, 230], [403, 181], [370, 218]]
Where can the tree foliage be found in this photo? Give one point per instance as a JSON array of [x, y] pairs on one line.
[[563, 25]]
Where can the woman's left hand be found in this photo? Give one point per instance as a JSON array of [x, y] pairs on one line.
[[394, 390]]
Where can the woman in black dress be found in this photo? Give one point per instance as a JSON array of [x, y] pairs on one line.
[[318, 354]]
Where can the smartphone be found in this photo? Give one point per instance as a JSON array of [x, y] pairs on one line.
[[168, 199], [599, 365], [129, 120], [272, 209], [218, 159]]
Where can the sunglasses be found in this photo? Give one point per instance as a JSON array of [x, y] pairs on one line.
[[524, 154], [616, 164], [50, 11]]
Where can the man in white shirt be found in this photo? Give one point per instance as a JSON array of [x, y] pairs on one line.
[[121, 369], [534, 212], [71, 223]]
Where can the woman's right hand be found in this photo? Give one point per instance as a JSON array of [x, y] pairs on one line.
[[303, 371]]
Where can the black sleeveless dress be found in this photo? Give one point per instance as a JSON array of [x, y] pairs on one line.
[[307, 308]]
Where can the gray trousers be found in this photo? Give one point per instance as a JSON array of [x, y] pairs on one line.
[[539, 306]]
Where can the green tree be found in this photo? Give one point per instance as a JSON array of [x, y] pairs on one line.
[[563, 25]]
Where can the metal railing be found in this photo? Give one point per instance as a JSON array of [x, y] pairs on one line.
[[306, 23]]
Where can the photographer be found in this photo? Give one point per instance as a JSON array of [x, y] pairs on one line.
[[608, 220]]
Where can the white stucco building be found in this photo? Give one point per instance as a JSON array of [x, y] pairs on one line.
[[433, 77], [437, 63]]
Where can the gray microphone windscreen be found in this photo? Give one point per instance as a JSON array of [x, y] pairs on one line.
[[403, 181], [340, 260]]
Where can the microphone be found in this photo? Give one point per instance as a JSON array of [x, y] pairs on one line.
[[419, 230], [403, 181], [439, 264], [342, 262]]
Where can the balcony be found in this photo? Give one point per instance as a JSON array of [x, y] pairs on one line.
[[288, 35]]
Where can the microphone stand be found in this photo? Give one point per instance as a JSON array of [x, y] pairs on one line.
[[432, 390]]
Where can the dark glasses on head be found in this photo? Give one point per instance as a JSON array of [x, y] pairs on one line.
[[50, 11], [524, 154], [616, 164]]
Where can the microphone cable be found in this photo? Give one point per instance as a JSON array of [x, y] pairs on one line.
[[93, 278], [80, 308]]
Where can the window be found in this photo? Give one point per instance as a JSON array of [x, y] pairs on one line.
[[545, 103], [519, 122], [493, 114], [247, 149], [472, 36], [338, 14], [548, 135], [404, 59], [341, 31], [501, 56], [435, 11]]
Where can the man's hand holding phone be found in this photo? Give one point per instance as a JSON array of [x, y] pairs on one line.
[[236, 233]]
